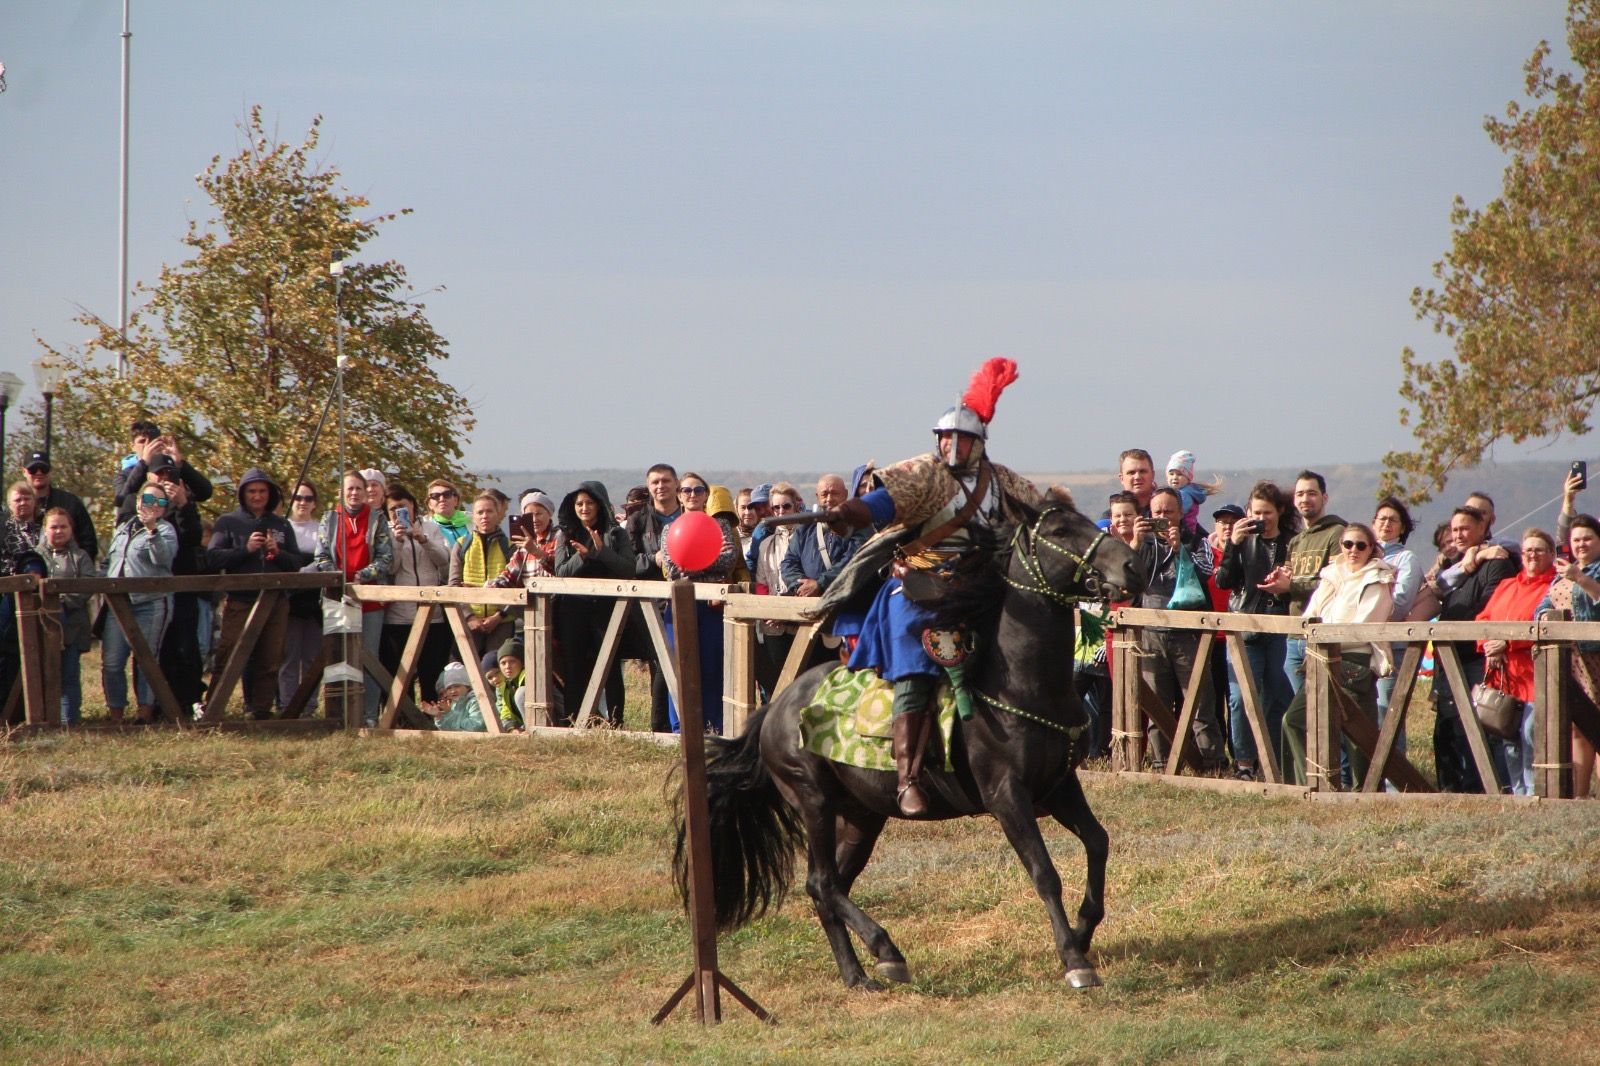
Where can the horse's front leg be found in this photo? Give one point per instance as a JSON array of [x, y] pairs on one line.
[[1069, 806], [1014, 811]]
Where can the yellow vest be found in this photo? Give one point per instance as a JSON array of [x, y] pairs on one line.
[[479, 564]]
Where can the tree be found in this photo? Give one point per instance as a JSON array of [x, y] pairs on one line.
[[233, 349], [1519, 290]]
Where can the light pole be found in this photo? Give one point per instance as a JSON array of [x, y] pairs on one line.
[[48, 373], [10, 389]]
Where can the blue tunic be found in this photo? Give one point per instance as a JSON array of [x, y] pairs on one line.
[[891, 633]]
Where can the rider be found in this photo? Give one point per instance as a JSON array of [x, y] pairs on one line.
[[943, 497]]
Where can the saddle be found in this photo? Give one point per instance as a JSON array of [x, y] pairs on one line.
[[850, 720]]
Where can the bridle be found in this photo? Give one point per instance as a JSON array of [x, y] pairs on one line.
[[1025, 544]]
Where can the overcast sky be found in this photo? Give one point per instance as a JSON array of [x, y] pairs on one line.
[[767, 235]]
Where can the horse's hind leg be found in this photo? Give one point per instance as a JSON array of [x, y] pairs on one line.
[[1015, 815], [1070, 807], [857, 835], [825, 887]]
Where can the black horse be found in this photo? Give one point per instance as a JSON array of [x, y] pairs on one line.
[[1016, 759]]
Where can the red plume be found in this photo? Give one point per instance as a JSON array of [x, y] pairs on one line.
[[987, 383]]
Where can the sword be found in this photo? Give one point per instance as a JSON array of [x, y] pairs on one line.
[[800, 518]]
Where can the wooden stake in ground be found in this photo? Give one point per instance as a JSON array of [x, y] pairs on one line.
[[705, 979]]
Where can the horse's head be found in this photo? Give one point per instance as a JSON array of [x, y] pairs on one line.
[[1070, 555]]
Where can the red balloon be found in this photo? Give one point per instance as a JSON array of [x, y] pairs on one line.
[[694, 540]]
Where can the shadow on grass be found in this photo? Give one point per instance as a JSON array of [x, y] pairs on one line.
[[1367, 930]]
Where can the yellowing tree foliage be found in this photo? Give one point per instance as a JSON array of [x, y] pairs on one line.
[[233, 349], [1519, 290]]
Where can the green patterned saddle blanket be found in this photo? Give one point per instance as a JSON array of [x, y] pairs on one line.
[[850, 720]]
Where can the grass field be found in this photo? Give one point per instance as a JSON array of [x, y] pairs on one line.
[[230, 898]]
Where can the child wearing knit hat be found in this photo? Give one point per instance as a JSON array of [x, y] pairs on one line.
[[1180, 476]]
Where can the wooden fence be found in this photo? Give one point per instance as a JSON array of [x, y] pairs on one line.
[[1330, 714], [345, 663]]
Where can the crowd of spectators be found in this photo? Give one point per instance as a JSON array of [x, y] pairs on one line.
[[1280, 551]]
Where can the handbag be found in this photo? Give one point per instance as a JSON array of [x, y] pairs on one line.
[[1499, 712], [1188, 592]]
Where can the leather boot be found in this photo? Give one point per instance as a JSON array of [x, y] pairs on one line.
[[908, 763]]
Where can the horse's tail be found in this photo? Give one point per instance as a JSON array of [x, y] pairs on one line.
[[754, 831]]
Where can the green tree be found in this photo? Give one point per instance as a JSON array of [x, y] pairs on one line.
[[1519, 290], [232, 350]]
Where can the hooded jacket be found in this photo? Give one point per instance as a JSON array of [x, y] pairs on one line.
[[1362, 595], [615, 559], [228, 550]]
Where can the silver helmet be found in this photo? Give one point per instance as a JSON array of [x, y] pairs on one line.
[[959, 419], [962, 419]]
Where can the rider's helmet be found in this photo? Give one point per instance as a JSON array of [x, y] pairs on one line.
[[971, 416]]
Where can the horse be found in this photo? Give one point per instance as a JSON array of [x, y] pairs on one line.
[[1016, 758]]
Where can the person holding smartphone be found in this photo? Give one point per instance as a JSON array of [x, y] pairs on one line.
[[254, 539], [1254, 558], [421, 557]]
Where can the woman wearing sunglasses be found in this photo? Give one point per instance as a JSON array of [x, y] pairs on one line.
[[694, 493], [1357, 586], [143, 546]]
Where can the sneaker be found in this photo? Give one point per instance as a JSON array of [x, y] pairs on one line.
[[1244, 773]]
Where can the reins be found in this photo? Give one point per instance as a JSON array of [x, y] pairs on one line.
[[1025, 546]]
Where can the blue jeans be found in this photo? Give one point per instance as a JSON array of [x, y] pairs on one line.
[[71, 685], [1294, 664], [372, 637], [151, 617], [1519, 756], [1265, 654]]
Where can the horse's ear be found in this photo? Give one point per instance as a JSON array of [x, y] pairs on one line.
[[1061, 494]]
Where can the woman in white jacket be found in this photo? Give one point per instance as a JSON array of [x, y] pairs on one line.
[[1357, 586]]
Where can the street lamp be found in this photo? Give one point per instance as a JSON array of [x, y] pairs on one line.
[[10, 389], [48, 372]]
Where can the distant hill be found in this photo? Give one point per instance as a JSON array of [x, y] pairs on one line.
[[1525, 493]]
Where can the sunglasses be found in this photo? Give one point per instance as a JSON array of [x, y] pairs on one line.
[[1354, 545], [694, 490], [151, 499], [782, 508], [300, 497], [440, 495]]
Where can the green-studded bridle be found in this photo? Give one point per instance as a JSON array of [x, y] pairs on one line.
[[1025, 544]]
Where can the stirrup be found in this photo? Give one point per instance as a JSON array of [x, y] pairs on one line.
[[921, 806]]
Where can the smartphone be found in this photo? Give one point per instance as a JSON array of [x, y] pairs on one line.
[[402, 517], [1580, 470], [520, 525]]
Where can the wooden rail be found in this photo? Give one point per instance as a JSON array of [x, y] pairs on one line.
[[1330, 714]]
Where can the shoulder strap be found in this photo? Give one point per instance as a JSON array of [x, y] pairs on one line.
[[970, 508]]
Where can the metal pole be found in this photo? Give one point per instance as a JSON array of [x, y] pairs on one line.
[[122, 248], [3, 407], [49, 404]]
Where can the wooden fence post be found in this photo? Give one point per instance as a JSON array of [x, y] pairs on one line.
[[538, 636], [1552, 719], [1323, 720], [738, 674], [1127, 719]]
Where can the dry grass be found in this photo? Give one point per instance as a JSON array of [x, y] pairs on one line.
[[233, 898]]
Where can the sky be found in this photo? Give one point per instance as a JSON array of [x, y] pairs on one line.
[[782, 235]]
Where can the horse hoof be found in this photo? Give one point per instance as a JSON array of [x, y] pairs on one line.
[[1084, 978], [895, 971]]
